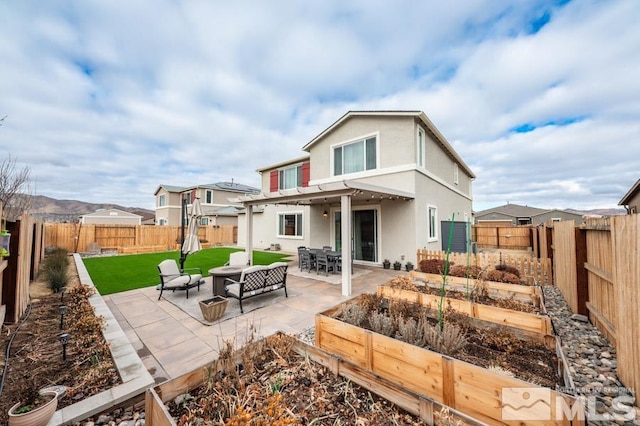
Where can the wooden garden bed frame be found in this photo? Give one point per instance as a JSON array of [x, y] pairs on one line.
[[467, 388], [526, 321], [156, 413], [521, 293]]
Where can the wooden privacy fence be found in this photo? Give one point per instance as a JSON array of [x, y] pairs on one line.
[[534, 270], [505, 237], [82, 238], [597, 269]]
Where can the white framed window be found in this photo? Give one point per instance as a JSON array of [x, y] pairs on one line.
[[433, 223], [162, 221], [556, 219], [187, 196], [204, 221], [208, 196], [162, 200], [290, 178], [420, 148], [456, 173], [290, 225], [356, 156]]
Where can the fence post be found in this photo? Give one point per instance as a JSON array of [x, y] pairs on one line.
[[582, 278]]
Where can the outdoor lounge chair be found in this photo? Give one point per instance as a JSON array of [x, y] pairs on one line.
[[172, 278], [238, 258]]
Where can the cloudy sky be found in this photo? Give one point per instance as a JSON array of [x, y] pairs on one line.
[[105, 100]]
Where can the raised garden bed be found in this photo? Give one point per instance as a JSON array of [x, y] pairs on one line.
[[281, 380], [472, 382], [522, 293], [523, 320]]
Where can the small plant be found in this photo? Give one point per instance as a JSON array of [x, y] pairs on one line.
[[397, 266], [386, 264], [54, 269], [449, 341], [353, 314], [433, 266], [409, 267], [508, 268], [411, 331], [381, 324]]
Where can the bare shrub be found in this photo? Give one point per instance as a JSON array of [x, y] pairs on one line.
[[433, 266], [411, 331], [403, 283], [502, 277], [449, 341], [509, 269], [382, 324], [403, 309], [462, 271]]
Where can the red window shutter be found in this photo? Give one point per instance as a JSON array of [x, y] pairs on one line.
[[306, 173], [193, 195], [273, 181]]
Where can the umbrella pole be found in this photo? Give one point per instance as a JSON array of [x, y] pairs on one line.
[[183, 214]]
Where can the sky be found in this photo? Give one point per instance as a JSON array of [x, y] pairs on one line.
[[106, 100]]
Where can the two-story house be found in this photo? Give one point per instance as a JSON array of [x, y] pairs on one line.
[[214, 199], [392, 173]]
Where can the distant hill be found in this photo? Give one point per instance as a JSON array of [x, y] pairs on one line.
[[52, 210]]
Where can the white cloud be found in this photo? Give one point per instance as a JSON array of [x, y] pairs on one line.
[[108, 100]]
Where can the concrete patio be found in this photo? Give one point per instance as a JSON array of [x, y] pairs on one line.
[[171, 343]]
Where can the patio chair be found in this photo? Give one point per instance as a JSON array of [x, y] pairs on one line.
[[305, 260], [172, 278], [324, 263], [326, 248], [238, 258]]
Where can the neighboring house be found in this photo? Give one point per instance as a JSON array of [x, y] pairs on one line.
[[514, 214], [631, 200], [111, 217], [214, 199], [392, 173]]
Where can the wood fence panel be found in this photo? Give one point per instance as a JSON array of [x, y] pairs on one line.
[[531, 269], [599, 266], [564, 262], [625, 241], [125, 238], [505, 237]]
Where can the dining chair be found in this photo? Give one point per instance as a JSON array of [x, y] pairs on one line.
[[324, 262]]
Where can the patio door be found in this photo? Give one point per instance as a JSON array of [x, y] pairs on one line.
[[364, 234]]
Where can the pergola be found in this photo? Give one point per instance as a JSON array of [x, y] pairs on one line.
[[345, 192]]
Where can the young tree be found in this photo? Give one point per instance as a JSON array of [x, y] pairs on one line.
[[14, 188]]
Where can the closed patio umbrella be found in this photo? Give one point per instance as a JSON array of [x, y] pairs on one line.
[[191, 243]]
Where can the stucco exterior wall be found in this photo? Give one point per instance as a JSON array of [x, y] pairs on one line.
[[556, 214], [265, 228]]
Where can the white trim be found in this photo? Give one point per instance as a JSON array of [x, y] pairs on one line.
[[290, 237], [348, 142], [431, 239], [390, 170], [456, 173]]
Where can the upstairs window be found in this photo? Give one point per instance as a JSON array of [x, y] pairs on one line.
[[290, 177], [187, 196], [162, 200], [208, 196], [420, 148], [355, 157]]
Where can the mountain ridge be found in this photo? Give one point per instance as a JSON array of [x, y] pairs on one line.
[[55, 210]]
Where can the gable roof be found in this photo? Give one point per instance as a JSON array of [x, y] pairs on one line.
[[284, 163], [220, 186], [102, 212], [630, 194], [513, 210], [439, 137]]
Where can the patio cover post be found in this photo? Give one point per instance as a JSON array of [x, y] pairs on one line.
[[345, 222], [249, 236]]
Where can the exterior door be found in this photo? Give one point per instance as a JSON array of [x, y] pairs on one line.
[[364, 236]]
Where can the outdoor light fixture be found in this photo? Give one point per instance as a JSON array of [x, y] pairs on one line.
[[64, 339], [325, 213], [63, 310]]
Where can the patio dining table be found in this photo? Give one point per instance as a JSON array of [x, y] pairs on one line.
[[332, 255]]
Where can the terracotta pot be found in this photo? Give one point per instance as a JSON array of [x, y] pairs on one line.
[[39, 416]]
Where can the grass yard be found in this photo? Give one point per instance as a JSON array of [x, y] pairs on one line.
[[114, 274]]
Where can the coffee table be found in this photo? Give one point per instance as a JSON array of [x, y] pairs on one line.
[[220, 273]]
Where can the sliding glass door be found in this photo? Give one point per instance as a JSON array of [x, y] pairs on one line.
[[364, 235]]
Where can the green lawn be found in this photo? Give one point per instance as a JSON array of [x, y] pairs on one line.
[[114, 274]]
